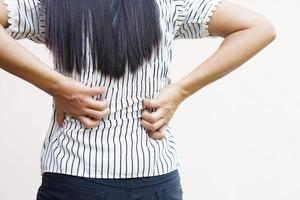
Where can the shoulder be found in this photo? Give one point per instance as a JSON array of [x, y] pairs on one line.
[[25, 19]]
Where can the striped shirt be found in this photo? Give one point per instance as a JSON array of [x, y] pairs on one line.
[[119, 146]]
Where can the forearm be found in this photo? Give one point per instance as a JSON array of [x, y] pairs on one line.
[[15, 59], [236, 48]]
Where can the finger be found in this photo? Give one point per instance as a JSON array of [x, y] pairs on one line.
[[105, 113], [158, 134], [96, 104], [153, 116], [95, 91], [151, 103], [60, 116], [97, 115], [153, 126], [88, 122], [92, 113]]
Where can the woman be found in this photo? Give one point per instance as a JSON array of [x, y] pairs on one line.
[[112, 95]]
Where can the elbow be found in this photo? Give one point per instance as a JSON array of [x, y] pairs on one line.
[[273, 34], [270, 31], [267, 29]]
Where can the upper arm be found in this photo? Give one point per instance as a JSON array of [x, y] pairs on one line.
[[23, 19], [230, 17], [213, 18]]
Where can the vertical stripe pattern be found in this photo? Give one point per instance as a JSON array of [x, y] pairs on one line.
[[119, 146]]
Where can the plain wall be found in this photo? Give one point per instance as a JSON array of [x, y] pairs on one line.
[[240, 140]]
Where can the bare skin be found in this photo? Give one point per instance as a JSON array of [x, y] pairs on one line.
[[70, 96], [245, 33]]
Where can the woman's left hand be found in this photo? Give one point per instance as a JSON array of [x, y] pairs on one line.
[[164, 107]]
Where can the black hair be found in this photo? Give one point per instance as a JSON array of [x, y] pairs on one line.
[[119, 32]]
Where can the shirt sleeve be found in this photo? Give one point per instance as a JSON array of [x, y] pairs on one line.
[[26, 19], [193, 18]]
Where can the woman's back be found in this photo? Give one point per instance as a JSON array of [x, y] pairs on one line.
[[119, 147]]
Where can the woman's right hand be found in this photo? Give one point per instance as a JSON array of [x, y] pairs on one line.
[[74, 98]]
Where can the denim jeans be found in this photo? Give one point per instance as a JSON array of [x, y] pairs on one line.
[[57, 186]]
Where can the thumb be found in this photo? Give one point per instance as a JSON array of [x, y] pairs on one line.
[[60, 116], [151, 103]]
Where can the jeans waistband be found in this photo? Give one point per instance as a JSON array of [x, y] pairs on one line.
[[49, 178]]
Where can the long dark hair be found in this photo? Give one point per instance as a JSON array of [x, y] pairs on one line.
[[117, 31]]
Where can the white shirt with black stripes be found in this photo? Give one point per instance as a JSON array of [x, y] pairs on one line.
[[119, 146]]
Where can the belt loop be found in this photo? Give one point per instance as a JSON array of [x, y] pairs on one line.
[[160, 194]]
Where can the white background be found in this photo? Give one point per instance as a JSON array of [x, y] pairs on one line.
[[238, 138]]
